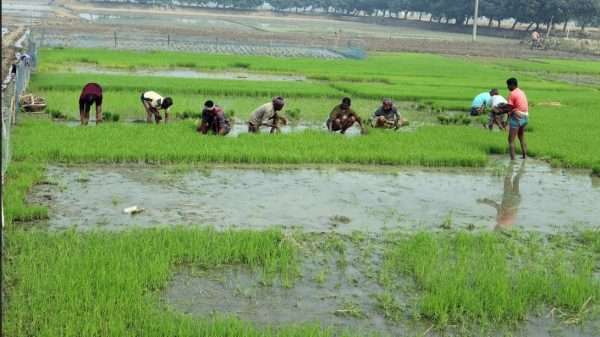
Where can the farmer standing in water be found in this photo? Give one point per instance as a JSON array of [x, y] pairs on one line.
[[518, 117], [90, 94], [153, 103]]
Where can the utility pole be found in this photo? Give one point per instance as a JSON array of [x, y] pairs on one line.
[[475, 19]]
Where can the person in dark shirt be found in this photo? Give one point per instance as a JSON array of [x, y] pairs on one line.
[[91, 94], [213, 120], [342, 117], [387, 116]]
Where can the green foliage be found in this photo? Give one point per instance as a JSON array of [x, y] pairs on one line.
[[108, 284], [293, 114], [56, 114], [177, 142], [447, 119], [169, 86], [20, 178], [488, 278], [187, 114], [107, 116]]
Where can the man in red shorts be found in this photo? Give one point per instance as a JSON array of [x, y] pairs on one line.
[[91, 94]]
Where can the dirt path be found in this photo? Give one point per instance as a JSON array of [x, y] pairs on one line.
[[364, 35]]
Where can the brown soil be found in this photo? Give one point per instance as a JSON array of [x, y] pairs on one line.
[[66, 21]]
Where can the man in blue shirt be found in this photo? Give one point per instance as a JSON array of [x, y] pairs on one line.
[[480, 102]]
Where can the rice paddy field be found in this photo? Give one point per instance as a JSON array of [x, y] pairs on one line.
[[433, 277]]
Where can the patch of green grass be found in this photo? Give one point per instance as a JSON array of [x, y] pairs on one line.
[[174, 86], [20, 178], [552, 66], [443, 83], [44, 141], [487, 278], [108, 284]]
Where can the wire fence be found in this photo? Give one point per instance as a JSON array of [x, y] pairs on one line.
[[12, 88], [183, 43]]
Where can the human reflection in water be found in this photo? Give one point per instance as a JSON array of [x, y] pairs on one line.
[[511, 199]]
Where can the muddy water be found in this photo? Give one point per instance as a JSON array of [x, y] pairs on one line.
[[186, 73], [326, 294], [238, 129], [338, 290], [530, 196]]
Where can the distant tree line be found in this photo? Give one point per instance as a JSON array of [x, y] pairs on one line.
[[534, 13]]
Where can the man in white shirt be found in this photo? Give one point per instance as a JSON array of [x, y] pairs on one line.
[[268, 115], [153, 103], [499, 108]]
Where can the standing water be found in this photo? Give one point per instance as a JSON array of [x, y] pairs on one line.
[[527, 195]]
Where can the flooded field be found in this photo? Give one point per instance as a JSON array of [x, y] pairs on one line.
[[530, 196], [187, 73], [339, 289]]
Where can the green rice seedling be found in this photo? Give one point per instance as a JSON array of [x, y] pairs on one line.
[[20, 178], [293, 114], [56, 114], [321, 277], [121, 276], [431, 81], [107, 115], [173, 86], [116, 117], [242, 65], [390, 307], [465, 120], [443, 119], [488, 278], [177, 143]]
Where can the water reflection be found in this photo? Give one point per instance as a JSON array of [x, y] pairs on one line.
[[595, 181], [508, 208]]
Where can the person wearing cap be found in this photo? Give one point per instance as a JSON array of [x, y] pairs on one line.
[[268, 115], [499, 107], [90, 94], [153, 103], [387, 116], [213, 120], [480, 102], [342, 117]]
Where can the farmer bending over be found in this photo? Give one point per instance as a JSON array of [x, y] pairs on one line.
[[499, 108], [153, 103], [342, 117], [387, 116], [480, 102], [518, 117], [214, 120], [268, 115], [91, 94]]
